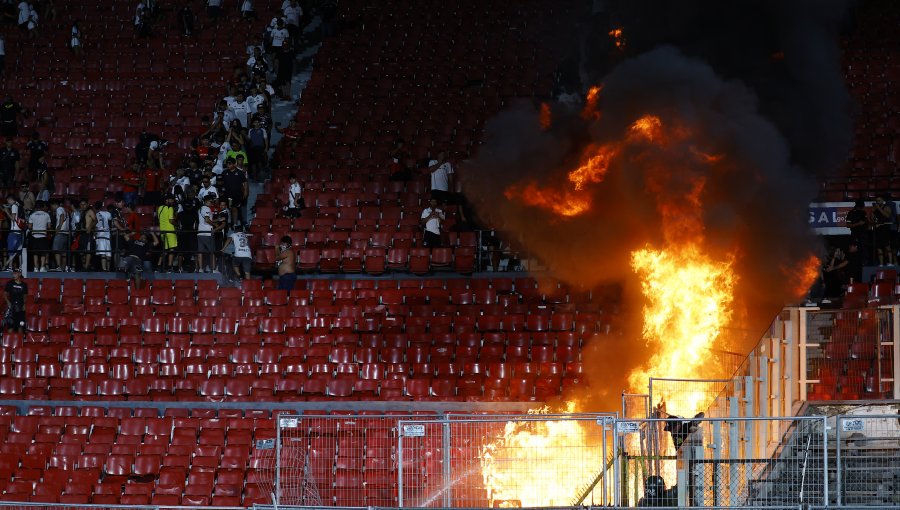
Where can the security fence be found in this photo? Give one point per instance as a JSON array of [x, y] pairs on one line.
[[867, 456]]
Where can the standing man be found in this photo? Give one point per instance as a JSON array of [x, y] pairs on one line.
[[205, 244], [9, 116], [61, 239], [13, 212], [432, 218], [441, 177], [15, 292], [236, 188], [166, 215], [242, 258], [10, 162], [104, 225], [285, 262], [39, 225]]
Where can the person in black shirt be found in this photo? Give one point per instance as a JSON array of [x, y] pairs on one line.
[[883, 218], [9, 163], [854, 263], [858, 223], [15, 292], [36, 148], [9, 113], [137, 255], [834, 275], [187, 224], [236, 189]]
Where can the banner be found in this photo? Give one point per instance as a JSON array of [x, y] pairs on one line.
[[829, 218]]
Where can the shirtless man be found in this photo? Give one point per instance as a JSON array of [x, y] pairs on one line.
[[285, 261]]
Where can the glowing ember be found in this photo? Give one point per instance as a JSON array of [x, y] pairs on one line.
[[546, 118], [590, 110], [541, 463], [618, 37], [688, 303]]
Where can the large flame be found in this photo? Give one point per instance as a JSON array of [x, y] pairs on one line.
[[688, 296], [541, 463]]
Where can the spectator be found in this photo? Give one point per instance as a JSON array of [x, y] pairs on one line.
[[9, 117], [399, 164], [32, 26], [24, 15], [2, 56], [188, 214], [858, 223], [257, 149], [186, 20], [214, 9], [292, 12], [87, 225], [61, 239], [242, 258], [39, 224], [441, 172], [44, 179], [142, 20], [281, 44], [137, 255], [236, 189], [240, 109], [15, 292], [131, 181], [36, 148], [432, 218], [221, 225], [256, 64], [247, 10], [154, 154], [14, 213], [206, 188], [205, 243], [10, 163], [103, 229], [285, 263], [295, 198], [75, 42], [834, 275], [152, 192], [883, 218], [236, 149], [166, 216], [26, 198]]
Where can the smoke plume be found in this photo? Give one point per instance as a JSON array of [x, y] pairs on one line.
[[751, 99]]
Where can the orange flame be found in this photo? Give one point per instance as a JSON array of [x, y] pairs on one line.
[[618, 37], [546, 117], [801, 278], [590, 111]]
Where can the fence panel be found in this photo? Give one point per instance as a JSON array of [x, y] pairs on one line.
[[683, 397], [849, 354], [514, 460], [723, 462], [868, 460]]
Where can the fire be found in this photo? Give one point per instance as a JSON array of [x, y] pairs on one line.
[[541, 463], [590, 111], [546, 118], [801, 278], [688, 302], [592, 170], [618, 37]]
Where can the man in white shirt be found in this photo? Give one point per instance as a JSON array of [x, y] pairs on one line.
[[39, 225], [206, 188], [292, 12], [242, 258], [432, 218], [441, 177], [104, 223], [280, 35], [24, 14], [61, 239], [205, 243], [241, 110]]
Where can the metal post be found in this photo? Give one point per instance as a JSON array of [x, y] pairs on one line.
[[825, 459], [400, 464], [617, 468], [802, 343], [445, 457], [895, 339], [839, 426], [277, 459], [604, 469]]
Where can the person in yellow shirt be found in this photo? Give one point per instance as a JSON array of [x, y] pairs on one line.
[[166, 215]]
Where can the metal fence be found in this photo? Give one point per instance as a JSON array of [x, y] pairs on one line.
[[723, 462], [683, 397], [849, 354], [868, 460], [529, 460]]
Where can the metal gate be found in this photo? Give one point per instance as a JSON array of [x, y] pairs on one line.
[[534, 460]]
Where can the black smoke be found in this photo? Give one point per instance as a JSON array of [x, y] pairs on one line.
[[758, 82]]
